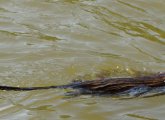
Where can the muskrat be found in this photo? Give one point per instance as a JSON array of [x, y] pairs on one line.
[[105, 85]]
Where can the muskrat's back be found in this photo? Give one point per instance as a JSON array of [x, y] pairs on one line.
[[109, 86]]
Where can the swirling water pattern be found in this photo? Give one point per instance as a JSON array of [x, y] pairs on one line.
[[52, 42]]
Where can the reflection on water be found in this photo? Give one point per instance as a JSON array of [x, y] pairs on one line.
[[50, 42]]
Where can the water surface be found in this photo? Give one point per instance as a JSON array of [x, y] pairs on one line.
[[52, 42]]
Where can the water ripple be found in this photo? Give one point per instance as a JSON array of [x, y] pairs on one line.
[[47, 42]]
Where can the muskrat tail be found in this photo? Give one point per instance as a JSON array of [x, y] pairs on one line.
[[11, 88]]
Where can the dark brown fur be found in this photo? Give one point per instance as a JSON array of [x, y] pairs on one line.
[[116, 85], [104, 86]]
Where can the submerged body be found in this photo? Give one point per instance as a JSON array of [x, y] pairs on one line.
[[107, 86]]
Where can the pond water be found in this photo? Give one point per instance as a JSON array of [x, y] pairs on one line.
[[52, 42]]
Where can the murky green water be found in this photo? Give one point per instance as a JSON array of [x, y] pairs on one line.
[[51, 42]]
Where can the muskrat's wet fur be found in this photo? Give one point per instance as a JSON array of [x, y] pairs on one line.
[[104, 86]]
